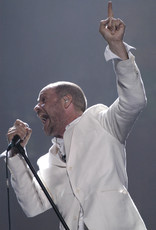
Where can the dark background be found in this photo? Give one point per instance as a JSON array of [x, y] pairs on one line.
[[43, 41]]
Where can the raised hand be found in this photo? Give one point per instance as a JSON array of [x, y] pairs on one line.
[[113, 30]]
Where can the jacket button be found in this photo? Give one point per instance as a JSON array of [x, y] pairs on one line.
[[124, 191], [75, 218], [70, 168], [77, 190]]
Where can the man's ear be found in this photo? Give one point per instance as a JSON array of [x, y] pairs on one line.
[[67, 100]]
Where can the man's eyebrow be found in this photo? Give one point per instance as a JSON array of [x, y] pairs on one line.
[[42, 95], [39, 97]]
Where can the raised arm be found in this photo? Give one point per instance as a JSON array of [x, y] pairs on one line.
[[122, 114]]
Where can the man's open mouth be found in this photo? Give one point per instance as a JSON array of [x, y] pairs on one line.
[[43, 118]]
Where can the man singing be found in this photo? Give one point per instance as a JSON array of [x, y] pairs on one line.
[[85, 169]]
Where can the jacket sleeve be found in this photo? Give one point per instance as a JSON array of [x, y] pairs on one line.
[[121, 115], [28, 192]]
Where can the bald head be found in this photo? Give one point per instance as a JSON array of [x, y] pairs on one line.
[[63, 88]]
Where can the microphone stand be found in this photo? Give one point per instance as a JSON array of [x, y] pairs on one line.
[[22, 152]]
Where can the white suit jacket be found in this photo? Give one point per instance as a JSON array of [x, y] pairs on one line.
[[94, 177]]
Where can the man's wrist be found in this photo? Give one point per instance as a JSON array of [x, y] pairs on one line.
[[119, 49]]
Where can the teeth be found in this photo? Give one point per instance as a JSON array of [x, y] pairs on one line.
[[43, 118]]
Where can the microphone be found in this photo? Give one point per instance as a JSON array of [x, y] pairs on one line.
[[15, 140]]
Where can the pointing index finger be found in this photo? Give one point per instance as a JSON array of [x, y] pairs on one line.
[[110, 11]]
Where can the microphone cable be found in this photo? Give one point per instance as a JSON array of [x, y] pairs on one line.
[[8, 192], [15, 141]]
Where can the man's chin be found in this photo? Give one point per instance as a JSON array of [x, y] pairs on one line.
[[47, 132]]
